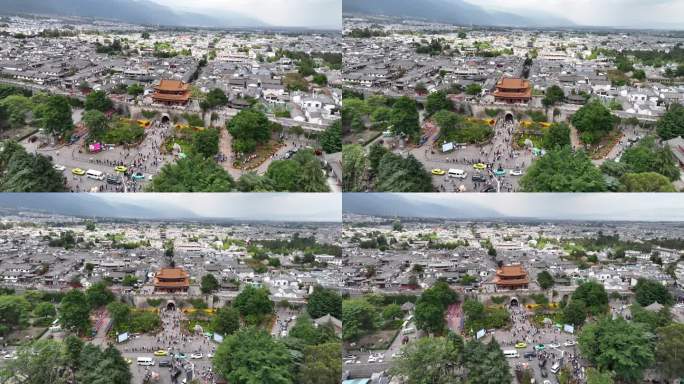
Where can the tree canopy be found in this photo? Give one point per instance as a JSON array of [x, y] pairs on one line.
[[192, 174], [24, 172], [593, 121], [249, 128], [323, 301], [252, 356], [622, 347], [671, 124], [99, 101], [561, 170], [253, 304], [649, 291]]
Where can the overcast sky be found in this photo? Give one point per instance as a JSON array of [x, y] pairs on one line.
[[631, 13], [256, 206], [559, 206], [282, 13]]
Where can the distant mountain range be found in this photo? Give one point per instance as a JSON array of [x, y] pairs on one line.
[[390, 205], [130, 11], [450, 11], [90, 205]]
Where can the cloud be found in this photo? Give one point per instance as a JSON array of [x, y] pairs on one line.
[[284, 13], [628, 13], [555, 206]]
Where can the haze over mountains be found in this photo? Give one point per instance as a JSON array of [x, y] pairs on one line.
[[214, 207], [450, 11], [545, 206], [131, 11]]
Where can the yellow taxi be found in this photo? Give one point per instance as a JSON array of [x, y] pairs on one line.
[[479, 166], [438, 172], [120, 168], [78, 171], [161, 352], [520, 344]]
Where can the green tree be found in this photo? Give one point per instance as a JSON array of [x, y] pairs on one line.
[[392, 312], [646, 156], [398, 174], [251, 356], [14, 311], [433, 360], [323, 301], [96, 122], [24, 172], [669, 347], [473, 89], [486, 363], [648, 291], [554, 94], [575, 313], [331, 138], [129, 280], [653, 320], [619, 346], [227, 321], [104, 367], [192, 174], [320, 79], [253, 304], [375, 154], [99, 295], [206, 143], [593, 121], [135, 89], [437, 101], [54, 115], [545, 280], [120, 314], [594, 376], [646, 182], [251, 182], [594, 297], [322, 364], [358, 317], [562, 170], [305, 331], [99, 101], [354, 166], [40, 362], [16, 107], [671, 124], [44, 312], [209, 284], [249, 128], [215, 98], [404, 118], [430, 307], [74, 311], [557, 136]]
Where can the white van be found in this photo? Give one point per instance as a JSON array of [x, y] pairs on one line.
[[511, 353], [93, 174], [408, 331], [145, 361], [458, 173], [555, 367]]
